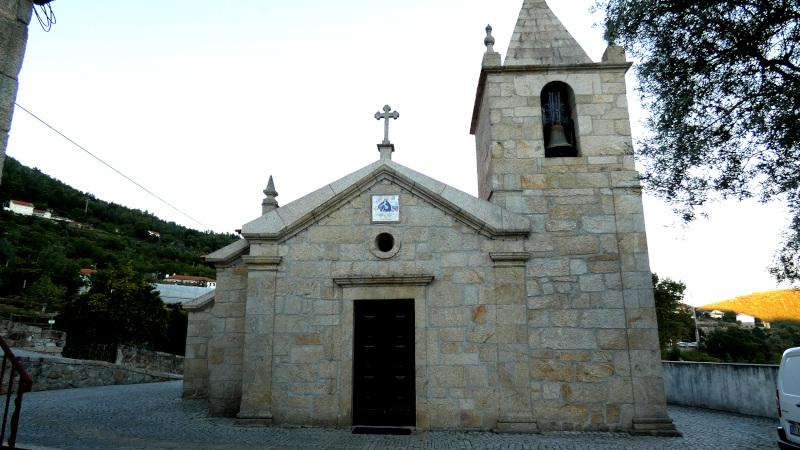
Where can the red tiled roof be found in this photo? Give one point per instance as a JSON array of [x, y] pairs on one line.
[[21, 203], [88, 271]]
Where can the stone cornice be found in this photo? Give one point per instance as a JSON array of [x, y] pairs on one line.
[[388, 280], [485, 71], [510, 259], [262, 262]]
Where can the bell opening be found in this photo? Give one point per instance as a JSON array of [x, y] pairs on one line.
[[558, 120]]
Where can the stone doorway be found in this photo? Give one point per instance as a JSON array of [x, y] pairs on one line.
[[383, 363]]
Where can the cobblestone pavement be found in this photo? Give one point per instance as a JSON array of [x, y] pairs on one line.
[[153, 416]]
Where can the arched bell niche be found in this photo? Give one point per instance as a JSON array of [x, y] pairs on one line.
[[559, 120]]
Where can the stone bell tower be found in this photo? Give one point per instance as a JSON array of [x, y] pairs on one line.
[[553, 143]]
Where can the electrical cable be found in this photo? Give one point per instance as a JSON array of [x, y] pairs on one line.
[[49, 16], [111, 167]]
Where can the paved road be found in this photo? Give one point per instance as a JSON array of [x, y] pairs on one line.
[[152, 416]]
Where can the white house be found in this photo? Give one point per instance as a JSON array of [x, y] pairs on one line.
[[746, 320], [19, 207], [716, 314]]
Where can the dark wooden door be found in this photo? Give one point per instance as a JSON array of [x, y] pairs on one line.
[[383, 363]]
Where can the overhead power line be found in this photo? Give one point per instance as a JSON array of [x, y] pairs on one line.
[[111, 167]]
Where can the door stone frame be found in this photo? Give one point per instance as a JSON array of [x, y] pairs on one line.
[[411, 287]]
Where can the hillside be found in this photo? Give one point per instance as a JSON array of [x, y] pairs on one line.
[[771, 306], [51, 253]]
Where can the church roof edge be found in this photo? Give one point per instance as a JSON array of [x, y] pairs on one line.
[[227, 253], [487, 218]]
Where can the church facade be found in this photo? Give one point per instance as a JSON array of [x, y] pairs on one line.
[[388, 298]]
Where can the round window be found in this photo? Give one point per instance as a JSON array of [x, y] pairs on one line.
[[384, 242]]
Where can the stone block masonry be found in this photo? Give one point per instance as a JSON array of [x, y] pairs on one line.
[[51, 372], [533, 308], [15, 15]]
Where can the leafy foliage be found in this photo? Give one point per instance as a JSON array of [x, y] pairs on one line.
[[120, 308], [675, 322], [722, 81], [32, 248], [757, 345], [771, 306]]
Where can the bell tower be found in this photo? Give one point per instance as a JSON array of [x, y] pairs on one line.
[[553, 143], [547, 100]]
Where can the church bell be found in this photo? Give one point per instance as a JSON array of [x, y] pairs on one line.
[[558, 127], [558, 140]]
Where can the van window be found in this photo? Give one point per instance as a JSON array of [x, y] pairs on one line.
[[791, 375]]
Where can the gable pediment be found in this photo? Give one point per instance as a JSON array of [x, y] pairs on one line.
[[486, 218]]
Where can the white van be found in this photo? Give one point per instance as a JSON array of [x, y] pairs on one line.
[[788, 398]]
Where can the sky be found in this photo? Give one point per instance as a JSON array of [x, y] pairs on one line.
[[201, 101]]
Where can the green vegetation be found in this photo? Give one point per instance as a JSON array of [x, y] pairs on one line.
[[40, 262], [756, 345], [120, 308], [675, 322], [722, 83], [40, 259]]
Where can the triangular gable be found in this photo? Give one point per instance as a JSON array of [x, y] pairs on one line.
[[286, 221], [540, 39]]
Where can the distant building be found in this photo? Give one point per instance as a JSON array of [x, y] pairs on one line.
[[173, 294], [27, 209], [19, 207], [746, 320], [43, 213], [716, 314], [86, 279], [190, 280]]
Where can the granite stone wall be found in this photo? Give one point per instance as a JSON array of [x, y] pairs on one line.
[[51, 372], [592, 332], [226, 342], [149, 360], [195, 363], [15, 15], [550, 327], [36, 339]]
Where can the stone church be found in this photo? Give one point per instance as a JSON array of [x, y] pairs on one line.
[[390, 299]]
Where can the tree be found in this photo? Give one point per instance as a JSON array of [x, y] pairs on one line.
[[721, 79], [729, 316], [43, 293], [121, 308], [675, 322]]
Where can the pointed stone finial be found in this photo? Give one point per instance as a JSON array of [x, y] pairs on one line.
[[489, 41], [270, 193], [491, 58]]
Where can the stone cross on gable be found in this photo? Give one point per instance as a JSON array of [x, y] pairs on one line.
[[386, 115]]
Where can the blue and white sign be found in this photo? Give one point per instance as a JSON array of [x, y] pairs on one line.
[[385, 208]]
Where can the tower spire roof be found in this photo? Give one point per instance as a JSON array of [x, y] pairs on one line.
[[541, 39]]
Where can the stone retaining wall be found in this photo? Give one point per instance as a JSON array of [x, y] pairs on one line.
[[149, 360], [740, 388], [32, 338], [51, 373]]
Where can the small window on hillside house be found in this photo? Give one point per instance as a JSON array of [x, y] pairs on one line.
[[559, 120]]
